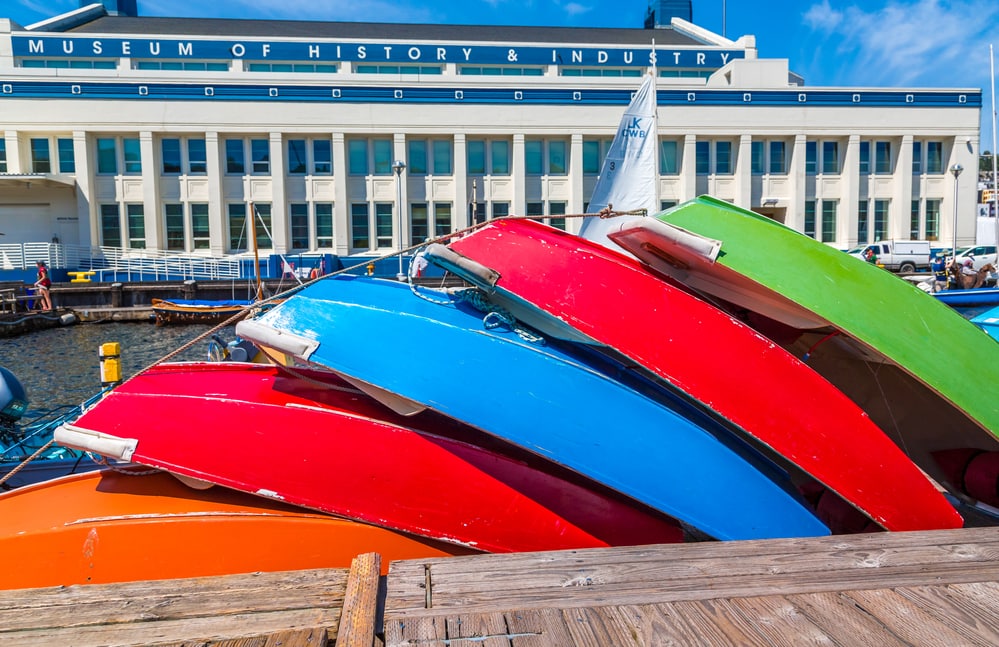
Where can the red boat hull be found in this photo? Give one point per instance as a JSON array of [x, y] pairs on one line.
[[972, 471], [715, 359], [103, 527], [312, 440]]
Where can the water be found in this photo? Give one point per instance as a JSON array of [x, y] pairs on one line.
[[60, 366]]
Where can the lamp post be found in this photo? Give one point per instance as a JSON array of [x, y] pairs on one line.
[[399, 166], [956, 170]]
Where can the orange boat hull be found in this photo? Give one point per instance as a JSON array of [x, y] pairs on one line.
[[103, 527]]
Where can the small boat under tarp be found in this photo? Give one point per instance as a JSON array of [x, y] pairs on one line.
[[306, 437], [506, 381], [127, 526], [576, 289], [898, 352], [192, 311]]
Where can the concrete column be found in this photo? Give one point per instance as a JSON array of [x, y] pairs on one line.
[[795, 215], [898, 227], [743, 173], [688, 169], [15, 162], [152, 213], [279, 208], [218, 232], [576, 197], [846, 227], [87, 213], [341, 208], [462, 185], [518, 171]]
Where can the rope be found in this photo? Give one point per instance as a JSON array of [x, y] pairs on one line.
[[27, 460], [496, 316]]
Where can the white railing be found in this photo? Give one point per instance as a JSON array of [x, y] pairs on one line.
[[113, 264]]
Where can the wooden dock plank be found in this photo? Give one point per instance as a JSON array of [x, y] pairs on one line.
[[197, 610], [842, 619], [911, 623], [696, 571], [360, 605], [775, 620], [947, 603]]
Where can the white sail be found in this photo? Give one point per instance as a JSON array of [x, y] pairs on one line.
[[628, 178]]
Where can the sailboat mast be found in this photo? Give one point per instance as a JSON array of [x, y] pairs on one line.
[[256, 252]]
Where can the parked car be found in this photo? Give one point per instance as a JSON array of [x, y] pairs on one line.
[[898, 255], [979, 254]]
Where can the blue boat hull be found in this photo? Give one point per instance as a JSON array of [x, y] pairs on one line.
[[964, 298], [443, 357]]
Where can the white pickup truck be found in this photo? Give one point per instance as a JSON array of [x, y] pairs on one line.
[[898, 255]]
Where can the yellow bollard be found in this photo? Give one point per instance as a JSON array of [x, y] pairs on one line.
[[110, 354]]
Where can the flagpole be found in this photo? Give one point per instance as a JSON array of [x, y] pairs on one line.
[[655, 127], [995, 176]]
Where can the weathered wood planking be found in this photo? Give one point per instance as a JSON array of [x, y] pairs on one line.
[[302, 606], [653, 574]]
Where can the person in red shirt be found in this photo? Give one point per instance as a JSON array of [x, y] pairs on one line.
[[42, 285]]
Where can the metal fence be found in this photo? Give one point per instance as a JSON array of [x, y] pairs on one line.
[[114, 264]]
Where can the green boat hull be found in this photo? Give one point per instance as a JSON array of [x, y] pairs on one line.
[[917, 367]]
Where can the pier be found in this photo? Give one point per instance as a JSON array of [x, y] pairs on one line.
[[912, 588]]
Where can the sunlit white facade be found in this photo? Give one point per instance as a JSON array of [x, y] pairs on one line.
[[155, 133]]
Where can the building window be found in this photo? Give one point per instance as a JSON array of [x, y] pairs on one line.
[[594, 153], [200, 229], [499, 154], [61, 63], [865, 158], [476, 70], [882, 158], [197, 156], [556, 209], [880, 219], [383, 224], [299, 216], [133, 156], [863, 223], [829, 221], [914, 220], [442, 157], [600, 71], [235, 157], [297, 162], [135, 214], [170, 148], [476, 153], [477, 212], [758, 161], [535, 157], [932, 219], [778, 158], [190, 66], [917, 158], [417, 156], [322, 157], [67, 155], [667, 204], [324, 225], [296, 68], [41, 159], [702, 151], [934, 158], [501, 209], [669, 157], [442, 219], [174, 214], [811, 158], [398, 69], [810, 218], [360, 151], [830, 158], [723, 158], [107, 157], [237, 227], [110, 226], [419, 225], [262, 221], [360, 228], [260, 156], [3, 155]]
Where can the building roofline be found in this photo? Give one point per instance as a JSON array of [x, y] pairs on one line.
[[70, 19]]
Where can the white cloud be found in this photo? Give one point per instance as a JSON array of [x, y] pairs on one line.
[[822, 17]]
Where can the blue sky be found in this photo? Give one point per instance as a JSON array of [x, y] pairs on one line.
[[869, 43]]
